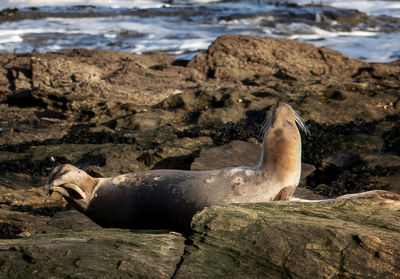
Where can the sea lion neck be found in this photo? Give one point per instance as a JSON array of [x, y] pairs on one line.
[[281, 152]]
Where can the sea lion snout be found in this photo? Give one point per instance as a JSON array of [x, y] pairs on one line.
[[71, 182]]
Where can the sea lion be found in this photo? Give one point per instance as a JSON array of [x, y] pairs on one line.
[[168, 199]]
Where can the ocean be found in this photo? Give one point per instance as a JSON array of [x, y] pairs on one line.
[[362, 29]]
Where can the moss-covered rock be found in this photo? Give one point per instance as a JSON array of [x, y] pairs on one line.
[[294, 240], [271, 240], [95, 253]]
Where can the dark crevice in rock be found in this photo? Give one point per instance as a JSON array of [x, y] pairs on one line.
[[59, 102], [284, 76], [40, 211], [256, 116], [341, 265], [11, 79], [332, 180], [50, 114], [369, 70], [188, 242], [27, 257], [148, 158], [24, 99], [86, 115], [180, 62], [263, 94], [392, 140], [250, 82], [77, 135], [224, 101], [341, 269], [210, 73], [80, 134], [192, 117], [180, 162], [159, 67], [323, 138], [9, 231], [286, 273], [89, 159], [31, 167], [225, 133]]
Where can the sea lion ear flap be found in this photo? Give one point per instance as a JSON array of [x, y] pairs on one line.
[[71, 191]]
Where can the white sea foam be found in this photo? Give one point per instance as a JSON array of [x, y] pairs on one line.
[[375, 7], [10, 39], [374, 48], [372, 7], [102, 3]]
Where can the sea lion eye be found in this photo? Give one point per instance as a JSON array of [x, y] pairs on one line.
[[287, 123]]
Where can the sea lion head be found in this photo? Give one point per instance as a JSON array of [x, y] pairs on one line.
[[75, 185], [281, 155]]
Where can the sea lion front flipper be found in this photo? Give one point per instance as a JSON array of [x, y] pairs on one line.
[[69, 190], [71, 182]]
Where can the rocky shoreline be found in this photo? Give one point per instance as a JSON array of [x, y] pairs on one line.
[[113, 112]]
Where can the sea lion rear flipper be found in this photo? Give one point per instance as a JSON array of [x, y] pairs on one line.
[[384, 198]]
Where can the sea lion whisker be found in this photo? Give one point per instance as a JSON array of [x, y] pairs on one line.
[[262, 127], [269, 120], [301, 123], [267, 123]]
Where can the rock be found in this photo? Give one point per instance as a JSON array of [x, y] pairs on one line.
[[84, 84], [14, 223], [314, 241], [68, 220], [34, 197], [240, 57], [92, 253], [235, 153]]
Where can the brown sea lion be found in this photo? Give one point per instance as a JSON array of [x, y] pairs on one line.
[[168, 199]]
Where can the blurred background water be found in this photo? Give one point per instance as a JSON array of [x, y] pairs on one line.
[[363, 29]]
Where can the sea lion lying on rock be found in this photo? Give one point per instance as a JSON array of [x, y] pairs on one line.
[[168, 199]]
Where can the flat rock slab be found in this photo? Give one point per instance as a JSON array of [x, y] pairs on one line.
[[294, 240], [96, 253]]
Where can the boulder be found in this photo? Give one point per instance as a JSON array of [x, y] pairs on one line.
[[243, 57], [94, 253], [294, 240]]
